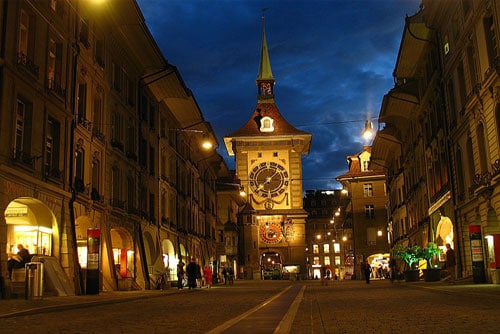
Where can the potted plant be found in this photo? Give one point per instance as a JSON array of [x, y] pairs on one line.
[[428, 253], [410, 255]]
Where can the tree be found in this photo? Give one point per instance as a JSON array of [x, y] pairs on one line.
[[410, 255]]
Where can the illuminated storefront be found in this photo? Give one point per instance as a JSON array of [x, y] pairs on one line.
[[29, 223]]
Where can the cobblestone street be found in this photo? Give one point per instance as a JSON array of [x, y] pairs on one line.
[[341, 307]]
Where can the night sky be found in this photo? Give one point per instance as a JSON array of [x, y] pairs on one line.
[[332, 61]]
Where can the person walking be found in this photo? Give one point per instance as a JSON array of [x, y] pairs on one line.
[[207, 274], [19, 260], [230, 274], [392, 266], [224, 275], [368, 271], [180, 274], [451, 262], [193, 272]]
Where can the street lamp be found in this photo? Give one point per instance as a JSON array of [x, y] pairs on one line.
[[206, 143], [368, 131], [237, 185]]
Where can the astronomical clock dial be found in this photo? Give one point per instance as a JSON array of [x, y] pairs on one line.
[[270, 234], [268, 179]]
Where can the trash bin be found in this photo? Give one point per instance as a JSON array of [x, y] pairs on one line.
[[34, 280]]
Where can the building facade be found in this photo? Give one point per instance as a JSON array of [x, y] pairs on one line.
[[367, 213], [440, 141], [268, 152], [100, 163], [329, 246]]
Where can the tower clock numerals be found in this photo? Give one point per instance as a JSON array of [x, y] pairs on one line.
[[268, 179]]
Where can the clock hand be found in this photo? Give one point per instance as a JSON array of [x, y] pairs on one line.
[[269, 178]]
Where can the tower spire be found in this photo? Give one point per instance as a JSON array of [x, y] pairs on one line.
[[265, 79]]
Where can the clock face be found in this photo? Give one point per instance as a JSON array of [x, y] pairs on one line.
[[268, 179]]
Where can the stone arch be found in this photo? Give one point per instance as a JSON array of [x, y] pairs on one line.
[[169, 257], [380, 264], [271, 263], [33, 224], [183, 253], [123, 252], [150, 248]]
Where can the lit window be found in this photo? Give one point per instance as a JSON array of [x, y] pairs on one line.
[[266, 124], [368, 190]]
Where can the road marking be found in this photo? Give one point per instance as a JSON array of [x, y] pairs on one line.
[[285, 325], [227, 324]]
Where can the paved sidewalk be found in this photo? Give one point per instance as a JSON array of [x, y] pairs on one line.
[[21, 306], [18, 307]]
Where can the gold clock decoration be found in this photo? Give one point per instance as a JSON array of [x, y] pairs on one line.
[[270, 233]]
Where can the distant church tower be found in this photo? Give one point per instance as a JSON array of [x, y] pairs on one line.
[[268, 152]]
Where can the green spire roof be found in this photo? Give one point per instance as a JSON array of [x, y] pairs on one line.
[[265, 72]]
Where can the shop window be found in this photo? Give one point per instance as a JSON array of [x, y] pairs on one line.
[[82, 253], [22, 228], [124, 262]]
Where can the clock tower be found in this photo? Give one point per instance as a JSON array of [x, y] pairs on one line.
[[268, 152]]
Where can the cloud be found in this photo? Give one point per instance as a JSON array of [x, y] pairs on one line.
[[332, 61]]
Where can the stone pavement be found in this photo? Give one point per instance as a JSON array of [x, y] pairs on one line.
[[18, 307]]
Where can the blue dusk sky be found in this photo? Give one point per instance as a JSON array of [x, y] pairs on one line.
[[332, 61]]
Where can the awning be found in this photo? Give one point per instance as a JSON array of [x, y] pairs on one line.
[[28, 211]]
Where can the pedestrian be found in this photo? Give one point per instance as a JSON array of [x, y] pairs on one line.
[[230, 273], [19, 260], [193, 273], [451, 262], [180, 274], [368, 271], [207, 273], [323, 275], [392, 267], [224, 275]]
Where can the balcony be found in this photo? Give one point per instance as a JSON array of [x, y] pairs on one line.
[[25, 159], [28, 64], [95, 196], [131, 155], [53, 173], [79, 185], [96, 132], [117, 144], [117, 204], [55, 87], [82, 121], [134, 211]]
